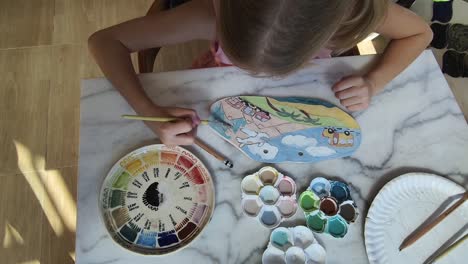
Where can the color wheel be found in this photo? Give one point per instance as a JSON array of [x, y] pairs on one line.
[[156, 199]]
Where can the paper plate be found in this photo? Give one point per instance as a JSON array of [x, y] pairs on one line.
[[404, 204], [156, 199]]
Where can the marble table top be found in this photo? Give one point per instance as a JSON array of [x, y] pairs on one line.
[[415, 124]]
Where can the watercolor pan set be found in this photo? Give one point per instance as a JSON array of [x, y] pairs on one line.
[[156, 199], [269, 196], [293, 245], [328, 207]]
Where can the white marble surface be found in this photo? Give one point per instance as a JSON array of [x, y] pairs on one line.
[[413, 125]]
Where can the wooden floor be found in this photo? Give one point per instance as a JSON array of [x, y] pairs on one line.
[[43, 57]]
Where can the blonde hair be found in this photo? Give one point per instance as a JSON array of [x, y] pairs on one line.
[[276, 37]]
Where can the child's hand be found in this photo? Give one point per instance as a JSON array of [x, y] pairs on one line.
[[181, 132], [354, 92]]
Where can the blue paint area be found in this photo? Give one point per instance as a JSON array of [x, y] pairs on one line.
[[237, 124], [294, 153], [320, 186], [167, 238], [128, 233], [340, 191], [147, 239], [217, 114], [279, 238], [269, 218], [304, 100]]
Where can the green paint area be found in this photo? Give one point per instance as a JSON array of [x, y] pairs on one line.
[[337, 226], [118, 198], [122, 180], [279, 238], [293, 114], [309, 201], [316, 221]]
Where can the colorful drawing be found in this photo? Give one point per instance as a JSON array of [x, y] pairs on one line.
[[157, 199], [289, 129]]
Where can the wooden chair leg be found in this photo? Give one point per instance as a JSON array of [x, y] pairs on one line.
[[147, 57]]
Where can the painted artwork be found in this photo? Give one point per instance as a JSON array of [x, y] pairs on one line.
[[286, 129], [157, 199]]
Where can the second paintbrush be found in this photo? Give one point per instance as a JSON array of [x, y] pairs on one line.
[[168, 119]]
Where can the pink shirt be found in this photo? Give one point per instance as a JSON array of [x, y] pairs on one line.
[[216, 57]]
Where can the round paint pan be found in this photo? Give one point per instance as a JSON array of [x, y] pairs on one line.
[[340, 191], [295, 255], [251, 184], [169, 184], [268, 175], [329, 206], [269, 195], [348, 211], [316, 253], [287, 206], [337, 226], [287, 186], [269, 216], [309, 201], [273, 255], [281, 238], [251, 205], [316, 221], [320, 186]]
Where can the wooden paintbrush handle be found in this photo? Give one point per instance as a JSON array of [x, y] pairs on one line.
[[208, 149], [439, 219]]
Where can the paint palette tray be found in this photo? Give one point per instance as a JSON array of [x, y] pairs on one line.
[[293, 245], [156, 199], [328, 207], [269, 196]]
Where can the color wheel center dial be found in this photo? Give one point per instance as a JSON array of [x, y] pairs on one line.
[[152, 197]]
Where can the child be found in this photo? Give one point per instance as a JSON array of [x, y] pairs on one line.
[[272, 37]]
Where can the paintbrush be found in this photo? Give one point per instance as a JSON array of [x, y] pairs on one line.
[[170, 119], [444, 250], [213, 153], [414, 237]]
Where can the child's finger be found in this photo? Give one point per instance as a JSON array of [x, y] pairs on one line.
[[358, 107], [185, 112], [185, 139], [347, 82], [348, 93], [176, 128], [352, 101]]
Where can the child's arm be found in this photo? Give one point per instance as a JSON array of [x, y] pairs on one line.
[[111, 48], [410, 36]]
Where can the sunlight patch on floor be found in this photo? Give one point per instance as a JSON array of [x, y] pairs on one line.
[[61, 197], [12, 236], [30, 262], [24, 162]]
